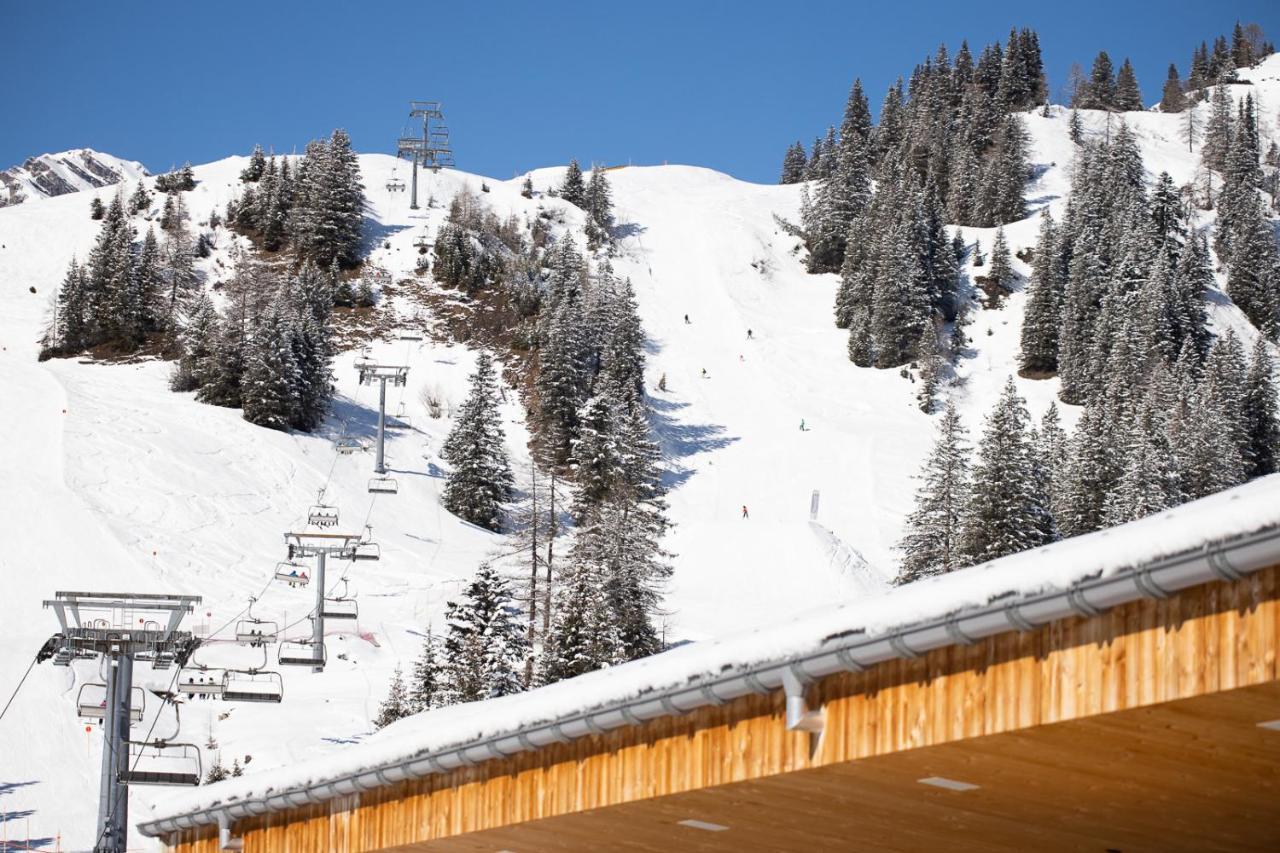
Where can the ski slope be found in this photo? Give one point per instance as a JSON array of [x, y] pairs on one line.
[[108, 481]]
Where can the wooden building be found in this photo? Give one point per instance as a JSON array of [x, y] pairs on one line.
[[1135, 707]]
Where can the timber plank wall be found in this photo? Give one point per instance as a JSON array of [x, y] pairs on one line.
[[1207, 639]]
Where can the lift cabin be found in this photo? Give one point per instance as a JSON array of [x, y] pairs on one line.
[[302, 653], [91, 702], [199, 682], [159, 762], [252, 686]]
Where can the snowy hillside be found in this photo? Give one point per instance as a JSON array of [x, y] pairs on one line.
[[109, 481], [51, 175]]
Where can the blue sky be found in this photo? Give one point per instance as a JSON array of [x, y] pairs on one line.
[[720, 84]]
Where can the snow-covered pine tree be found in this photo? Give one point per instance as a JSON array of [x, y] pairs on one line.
[[485, 646], [197, 339], [1043, 314], [140, 200], [1007, 512], [396, 705], [562, 380], [583, 636], [1260, 413], [931, 544], [596, 456], [1100, 93], [269, 385], [574, 188], [1000, 274], [426, 688], [598, 205], [1218, 130], [929, 359], [257, 165], [480, 481]]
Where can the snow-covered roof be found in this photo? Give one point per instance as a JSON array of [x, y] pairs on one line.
[[1230, 533]]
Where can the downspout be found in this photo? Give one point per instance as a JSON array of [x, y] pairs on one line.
[[225, 841]]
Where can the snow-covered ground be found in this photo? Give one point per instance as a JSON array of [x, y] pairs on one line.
[[65, 172], [110, 481]]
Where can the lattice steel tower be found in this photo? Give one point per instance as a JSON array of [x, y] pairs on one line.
[[430, 150]]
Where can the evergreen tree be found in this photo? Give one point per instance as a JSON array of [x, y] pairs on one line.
[[1128, 97], [598, 204], [197, 340], [793, 164], [1218, 131], [485, 647], [328, 206], [1000, 275], [1259, 406], [583, 635], [427, 687], [96, 209], [140, 200], [1172, 99], [1041, 318], [481, 480], [574, 188], [396, 705], [257, 165], [1100, 93], [269, 385], [1007, 512], [931, 544]]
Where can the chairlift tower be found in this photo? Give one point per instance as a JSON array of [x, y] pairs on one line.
[[343, 546], [430, 150], [397, 375], [121, 626]]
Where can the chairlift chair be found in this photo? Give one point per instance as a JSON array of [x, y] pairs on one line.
[[410, 336], [292, 573], [246, 686], [302, 653], [162, 763], [256, 632], [91, 702], [348, 445], [62, 657], [198, 682], [341, 608], [163, 660], [367, 551], [383, 486], [323, 515]]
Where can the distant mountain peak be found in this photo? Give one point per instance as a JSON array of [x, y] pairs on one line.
[[47, 175]]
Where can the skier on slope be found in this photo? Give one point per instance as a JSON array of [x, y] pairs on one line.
[[686, 320], [745, 514], [802, 429], [749, 335]]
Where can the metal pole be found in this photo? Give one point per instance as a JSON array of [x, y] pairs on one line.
[[382, 424], [124, 702], [317, 624], [106, 792], [413, 199]]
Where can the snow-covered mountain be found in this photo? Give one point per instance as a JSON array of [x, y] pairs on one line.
[[49, 175], [110, 481]]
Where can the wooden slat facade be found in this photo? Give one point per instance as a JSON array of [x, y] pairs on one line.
[[1132, 725]]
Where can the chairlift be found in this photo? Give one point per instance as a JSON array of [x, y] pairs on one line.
[[252, 686], [322, 514], [198, 682], [383, 486], [348, 445], [367, 551], [410, 336], [256, 632], [91, 702], [294, 574], [159, 762], [62, 657], [163, 660], [302, 653], [341, 608]]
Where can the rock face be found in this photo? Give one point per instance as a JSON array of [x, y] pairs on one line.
[[65, 172]]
